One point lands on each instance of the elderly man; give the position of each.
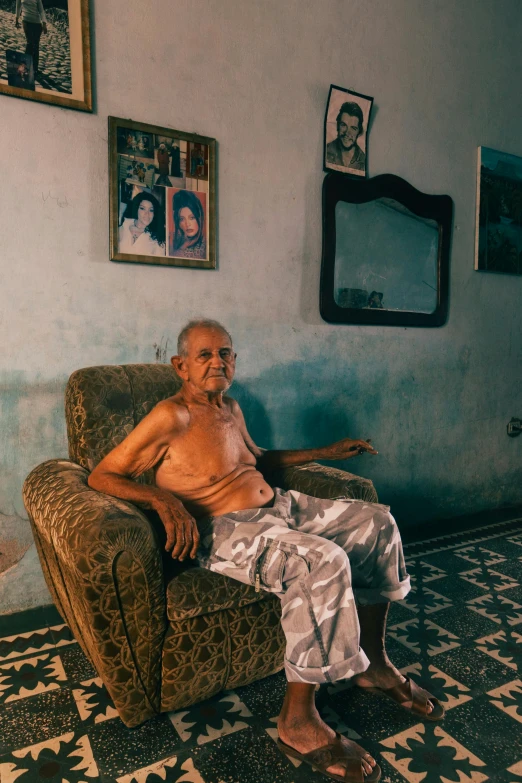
(344, 150)
(335, 565)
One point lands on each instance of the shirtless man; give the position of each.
(215, 505)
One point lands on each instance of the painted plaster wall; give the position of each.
(255, 74)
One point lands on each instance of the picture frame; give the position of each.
(162, 198)
(498, 227)
(47, 61)
(346, 124)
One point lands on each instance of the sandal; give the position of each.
(340, 750)
(418, 697)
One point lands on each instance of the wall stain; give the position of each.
(15, 540)
(161, 351)
(61, 202)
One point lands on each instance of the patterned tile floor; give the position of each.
(459, 632)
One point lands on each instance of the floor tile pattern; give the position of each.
(459, 633)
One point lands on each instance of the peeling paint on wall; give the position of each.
(23, 586)
(160, 355)
(15, 540)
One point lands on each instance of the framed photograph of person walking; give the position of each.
(45, 52)
(346, 131)
(162, 195)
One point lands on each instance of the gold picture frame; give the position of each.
(162, 195)
(49, 62)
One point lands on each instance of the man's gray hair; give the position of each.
(205, 323)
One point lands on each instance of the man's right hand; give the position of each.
(180, 526)
(17, 23)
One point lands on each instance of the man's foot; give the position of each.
(382, 676)
(305, 737)
(387, 679)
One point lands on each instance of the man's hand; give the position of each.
(180, 526)
(17, 24)
(44, 26)
(268, 461)
(347, 448)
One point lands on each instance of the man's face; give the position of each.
(348, 130)
(210, 362)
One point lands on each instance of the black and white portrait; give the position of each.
(346, 131)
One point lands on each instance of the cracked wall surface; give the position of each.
(21, 580)
(15, 540)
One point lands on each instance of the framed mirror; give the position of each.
(386, 250)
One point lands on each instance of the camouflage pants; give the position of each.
(321, 558)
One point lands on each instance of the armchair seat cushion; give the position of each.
(197, 591)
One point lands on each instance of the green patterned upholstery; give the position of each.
(103, 404)
(160, 639)
(197, 591)
(322, 482)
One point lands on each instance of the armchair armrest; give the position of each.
(103, 565)
(322, 482)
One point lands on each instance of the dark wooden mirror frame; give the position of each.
(339, 187)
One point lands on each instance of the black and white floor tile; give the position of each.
(459, 633)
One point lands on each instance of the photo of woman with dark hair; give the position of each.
(187, 240)
(142, 227)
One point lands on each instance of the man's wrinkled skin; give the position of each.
(206, 464)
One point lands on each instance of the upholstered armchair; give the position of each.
(162, 635)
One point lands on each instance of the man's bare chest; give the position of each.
(211, 443)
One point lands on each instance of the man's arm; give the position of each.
(342, 449)
(271, 460)
(146, 445)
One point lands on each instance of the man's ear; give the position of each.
(179, 365)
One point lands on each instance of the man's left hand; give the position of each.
(346, 448)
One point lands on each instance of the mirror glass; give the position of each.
(386, 257)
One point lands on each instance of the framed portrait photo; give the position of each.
(162, 196)
(346, 131)
(45, 51)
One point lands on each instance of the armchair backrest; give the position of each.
(103, 404)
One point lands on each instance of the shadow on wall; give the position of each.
(309, 408)
(257, 421)
(315, 402)
(410, 416)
